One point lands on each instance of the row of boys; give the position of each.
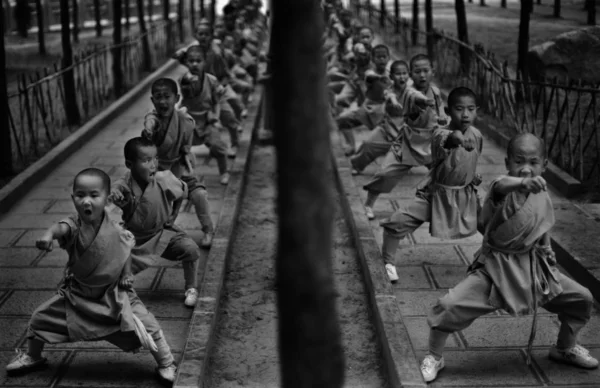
(515, 269)
(96, 299)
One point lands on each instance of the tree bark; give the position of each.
(117, 51)
(127, 8)
(6, 160)
(143, 31)
(75, 21)
(98, 17)
(463, 33)
(526, 6)
(40, 22)
(72, 110)
(310, 348)
(429, 28)
(591, 12)
(415, 22)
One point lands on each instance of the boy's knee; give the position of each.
(199, 193)
(188, 249)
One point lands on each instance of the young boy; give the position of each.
(400, 96)
(413, 147)
(150, 200)
(449, 201)
(95, 300)
(354, 87)
(517, 216)
(381, 59)
(172, 132)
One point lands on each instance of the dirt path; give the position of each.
(245, 352)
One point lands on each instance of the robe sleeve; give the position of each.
(346, 96)
(438, 143)
(173, 187)
(217, 92)
(187, 125)
(67, 242)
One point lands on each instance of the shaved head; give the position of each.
(526, 141)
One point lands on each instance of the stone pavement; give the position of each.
(28, 276)
(492, 350)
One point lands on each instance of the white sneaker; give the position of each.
(355, 172)
(430, 367)
(191, 297)
(391, 271)
(577, 355)
(232, 152)
(244, 114)
(167, 373)
(23, 361)
(225, 179)
(369, 213)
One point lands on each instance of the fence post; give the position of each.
(370, 9)
(40, 22)
(75, 21)
(126, 5)
(503, 3)
(144, 33)
(6, 160)
(556, 13)
(180, 19)
(590, 5)
(397, 15)
(117, 49)
(202, 10)
(150, 12)
(71, 107)
(98, 18)
(213, 13)
(382, 14)
(192, 15)
(415, 23)
(166, 11)
(429, 28)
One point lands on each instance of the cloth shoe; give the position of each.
(191, 297)
(430, 367)
(23, 361)
(167, 373)
(369, 212)
(232, 152)
(577, 355)
(391, 272)
(225, 179)
(206, 241)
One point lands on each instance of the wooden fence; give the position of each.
(37, 111)
(565, 115)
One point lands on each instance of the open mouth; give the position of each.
(88, 212)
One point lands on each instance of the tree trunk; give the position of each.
(397, 15)
(382, 13)
(503, 3)
(98, 17)
(116, 51)
(482, 3)
(40, 22)
(556, 8)
(429, 28)
(72, 110)
(143, 31)
(150, 11)
(463, 33)
(6, 160)
(75, 21)
(524, 37)
(415, 23)
(311, 354)
(180, 19)
(591, 12)
(127, 8)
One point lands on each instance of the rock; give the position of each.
(573, 54)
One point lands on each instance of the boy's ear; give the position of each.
(545, 165)
(506, 162)
(128, 164)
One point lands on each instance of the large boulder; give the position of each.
(573, 54)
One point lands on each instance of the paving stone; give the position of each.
(11, 332)
(40, 192)
(144, 279)
(187, 221)
(345, 259)
(448, 276)
(29, 238)
(62, 206)
(28, 221)
(8, 236)
(55, 258)
(428, 254)
(25, 302)
(417, 302)
(418, 330)
(590, 334)
(559, 374)
(510, 331)
(111, 369)
(18, 257)
(166, 305)
(486, 368)
(38, 378)
(31, 278)
(31, 206)
(411, 277)
(172, 279)
(422, 236)
(107, 161)
(176, 332)
(57, 182)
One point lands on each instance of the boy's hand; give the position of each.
(477, 179)
(126, 281)
(151, 125)
(116, 196)
(534, 185)
(468, 144)
(45, 242)
(424, 103)
(187, 160)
